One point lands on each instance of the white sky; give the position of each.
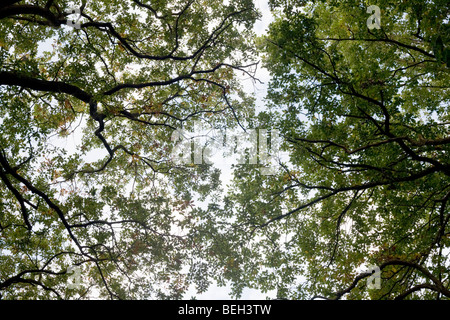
(259, 91)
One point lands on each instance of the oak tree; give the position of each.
(91, 202)
(364, 116)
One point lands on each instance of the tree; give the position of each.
(362, 111)
(115, 77)
(364, 114)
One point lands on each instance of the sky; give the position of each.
(259, 91)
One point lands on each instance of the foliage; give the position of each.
(363, 114)
(365, 121)
(86, 121)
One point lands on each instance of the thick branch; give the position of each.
(13, 79)
(41, 194)
(438, 285)
(364, 186)
(386, 40)
(19, 198)
(8, 11)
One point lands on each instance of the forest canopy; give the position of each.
(93, 203)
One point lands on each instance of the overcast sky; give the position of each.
(259, 90)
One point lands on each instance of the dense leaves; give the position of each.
(87, 123)
(365, 121)
(87, 115)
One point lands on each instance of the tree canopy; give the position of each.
(362, 115)
(113, 203)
